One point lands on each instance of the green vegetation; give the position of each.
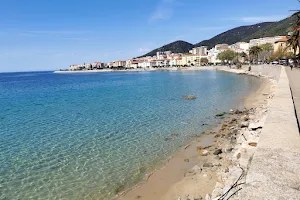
(254, 53)
(242, 33)
(281, 54)
(227, 56)
(294, 38)
(176, 47)
(204, 61)
(267, 50)
(235, 35)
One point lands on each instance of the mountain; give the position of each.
(242, 33)
(276, 28)
(234, 35)
(176, 47)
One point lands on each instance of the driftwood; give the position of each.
(244, 136)
(234, 186)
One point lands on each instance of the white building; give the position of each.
(132, 63)
(147, 64)
(162, 54)
(173, 62)
(214, 52)
(202, 51)
(240, 47)
(260, 41)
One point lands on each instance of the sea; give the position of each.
(89, 136)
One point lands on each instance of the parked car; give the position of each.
(275, 63)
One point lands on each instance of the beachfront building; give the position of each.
(199, 51)
(117, 64)
(174, 62)
(146, 64)
(214, 52)
(189, 60)
(132, 63)
(162, 54)
(162, 63)
(87, 66)
(260, 41)
(240, 47)
(282, 43)
(221, 47)
(76, 67)
(98, 65)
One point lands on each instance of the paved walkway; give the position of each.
(274, 172)
(294, 78)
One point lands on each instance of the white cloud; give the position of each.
(258, 19)
(163, 11)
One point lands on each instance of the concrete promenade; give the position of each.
(294, 78)
(274, 171)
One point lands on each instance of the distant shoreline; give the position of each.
(139, 70)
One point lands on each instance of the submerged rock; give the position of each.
(205, 153)
(221, 114)
(190, 97)
(208, 165)
(228, 149)
(218, 158)
(218, 151)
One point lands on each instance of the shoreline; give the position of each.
(200, 175)
(138, 70)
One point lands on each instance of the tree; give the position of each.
(294, 38)
(226, 56)
(266, 51)
(244, 56)
(204, 61)
(282, 53)
(254, 52)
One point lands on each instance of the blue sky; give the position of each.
(49, 35)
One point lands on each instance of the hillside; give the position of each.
(176, 47)
(234, 35)
(278, 28)
(242, 33)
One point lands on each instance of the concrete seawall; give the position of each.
(275, 168)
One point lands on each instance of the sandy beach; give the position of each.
(204, 168)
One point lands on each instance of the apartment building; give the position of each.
(260, 41)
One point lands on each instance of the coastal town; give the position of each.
(201, 56)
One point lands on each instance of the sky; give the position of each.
(37, 35)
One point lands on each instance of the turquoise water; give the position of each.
(87, 136)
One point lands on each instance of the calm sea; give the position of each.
(88, 136)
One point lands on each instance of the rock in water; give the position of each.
(190, 97)
(208, 165)
(205, 153)
(218, 151)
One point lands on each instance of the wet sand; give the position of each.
(179, 177)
